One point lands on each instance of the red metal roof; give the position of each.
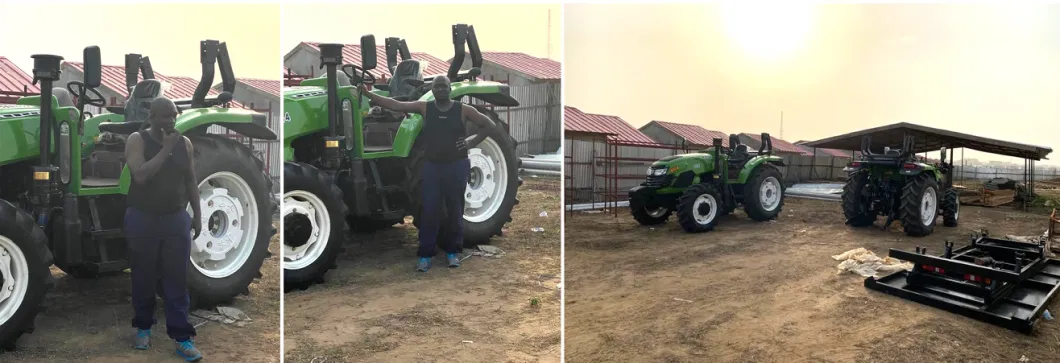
(351, 53)
(694, 134)
(269, 86)
(13, 79)
(779, 145)
(540, 68)
(113, 78)
(576, 120)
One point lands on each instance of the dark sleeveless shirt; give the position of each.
(165, 192)
(441, 130)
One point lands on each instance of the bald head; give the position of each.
(440, 87)
(163, 113)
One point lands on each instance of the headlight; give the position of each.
(659, 172)
(649, 171)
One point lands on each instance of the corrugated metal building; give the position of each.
(536, 83)
(780, 147)
(693, 136)
(14, 83)
(304, 60)
(263, 95)
(604, 156)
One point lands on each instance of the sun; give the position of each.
(767, 31)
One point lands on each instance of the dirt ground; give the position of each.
(768, 292)
(375, 308)
(89, 321)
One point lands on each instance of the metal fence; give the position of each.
(599, 170)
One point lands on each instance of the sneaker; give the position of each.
(453, 259)
(423, 265)
(143, 339)
(186, 350)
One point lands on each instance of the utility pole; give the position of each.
(549, 35)
(782, 125)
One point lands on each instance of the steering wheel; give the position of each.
(364, 76)
(75, 89)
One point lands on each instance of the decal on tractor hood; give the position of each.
(286, 117)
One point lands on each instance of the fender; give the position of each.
(754, 163)
(244, 122)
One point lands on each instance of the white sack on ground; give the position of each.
(865, 263)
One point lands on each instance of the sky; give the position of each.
(167, 33)
(986, 70)
(426, 28)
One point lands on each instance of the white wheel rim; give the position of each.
(928, 207)
(313, 209)
(229, 223)
(957, 209)
(488, 182)
(15, 271)
(657, 212)
(711, 203)
(769, 194)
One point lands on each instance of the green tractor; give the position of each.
(348, 163)
(700, 187)
(897, 185)
(63, 182)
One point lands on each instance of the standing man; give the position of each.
(446, 168)
(157, 226)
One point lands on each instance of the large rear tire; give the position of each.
(314, 218)
(951, 208)
(237, 208)
(919, 207)
(857, 213)
(24, 274)
(764, 193)
(698, 208)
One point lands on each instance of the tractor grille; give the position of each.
(659, 181)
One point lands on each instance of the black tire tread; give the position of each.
(686, 202)
(950, 200)
(299, 173)
(751, 204)
(912, 194)
(20, 227)
(852, 208)
(640, 214)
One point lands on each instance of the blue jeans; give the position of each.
(443, 184)
(159, 254)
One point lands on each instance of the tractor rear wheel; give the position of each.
(920, 205)
(855, 211)
(648, 215)
(763, 193)
(237, 207)
(698, 208)
(314, 220)
(951, 208)
(24, 273)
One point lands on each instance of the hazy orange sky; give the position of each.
(426, 28)
(987, 70)
(168, 33)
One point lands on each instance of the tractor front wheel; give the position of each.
(698, 208)
(951, 208)
(920, 205)
(646, 214)
(314, 221)
(24, 273)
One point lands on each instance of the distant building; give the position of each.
(694, 137)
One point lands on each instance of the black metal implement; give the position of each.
(1002, 282)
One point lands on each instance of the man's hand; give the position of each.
(171, 140)
(196, 226)
(461, 144)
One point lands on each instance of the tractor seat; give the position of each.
(740, 153)
(121, 128)
(63, 97)
(138, 106)
(407, 69)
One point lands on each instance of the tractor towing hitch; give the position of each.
(999, 281)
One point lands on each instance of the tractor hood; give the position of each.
(684, 162)
(18, 132)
